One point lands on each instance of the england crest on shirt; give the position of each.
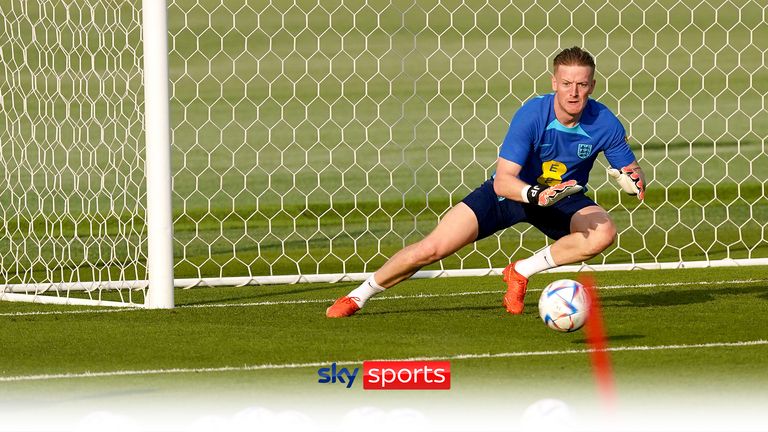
(584, 150)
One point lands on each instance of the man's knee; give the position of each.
(601, 238)
(596, 226)
(429, 251)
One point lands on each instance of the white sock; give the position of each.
(366, 290)
(540, 261)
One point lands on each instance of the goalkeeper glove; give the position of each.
(629, 180)
(545, 196)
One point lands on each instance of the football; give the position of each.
(564, 305)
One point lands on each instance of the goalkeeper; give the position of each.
(541, 175)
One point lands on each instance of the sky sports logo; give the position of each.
(391, 375)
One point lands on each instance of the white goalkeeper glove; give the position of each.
(630, 181)
(545, 196)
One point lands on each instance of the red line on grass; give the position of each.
(598, 344)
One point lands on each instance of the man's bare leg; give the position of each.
(457, 229)
(592, 231)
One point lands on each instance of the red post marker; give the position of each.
(598, 346)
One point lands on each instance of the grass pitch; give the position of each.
(672, 331)
(681, 338)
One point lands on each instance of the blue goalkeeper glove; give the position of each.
(545, 196)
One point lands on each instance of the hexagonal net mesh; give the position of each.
(71, 148)
(319, 137)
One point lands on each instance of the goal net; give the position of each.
(313, 139)
(71, 142)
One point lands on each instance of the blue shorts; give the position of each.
(495, 213)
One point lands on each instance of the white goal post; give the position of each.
(147, 145)
(57, 53)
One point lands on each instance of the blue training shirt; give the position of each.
(551, 153)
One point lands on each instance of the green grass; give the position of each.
(656, 308)
(232, 327)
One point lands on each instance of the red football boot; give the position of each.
(517, 284)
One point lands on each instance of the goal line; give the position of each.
(51, 293)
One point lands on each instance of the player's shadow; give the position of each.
(254, 294)
(433, 309)
(673, 297)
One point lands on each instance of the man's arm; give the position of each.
(507, 184)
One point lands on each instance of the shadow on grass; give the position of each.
(255, 294)
(682, 297)
(669, 297)
(612, 338)
(436, 309)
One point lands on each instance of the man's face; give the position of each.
(572, 86)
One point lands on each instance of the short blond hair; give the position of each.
(574, 56)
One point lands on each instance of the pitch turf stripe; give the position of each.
(384, 298)
(467, 293)
(471, 293)
(270, 366)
